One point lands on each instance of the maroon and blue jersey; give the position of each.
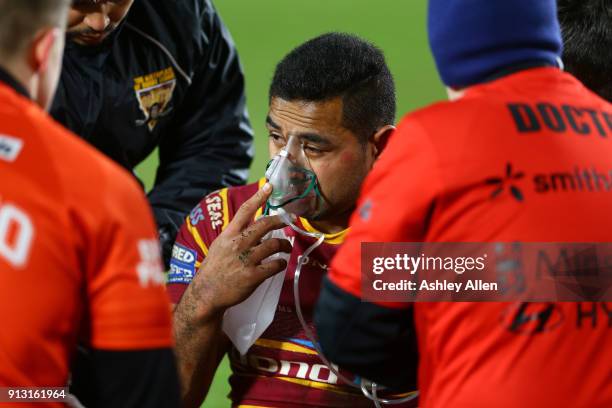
(282, 369)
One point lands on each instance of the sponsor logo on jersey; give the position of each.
(286, 368)
(182, 264)
(149, 269)
(506, 182)
(16, 235)
(587, 179)
(540, 318)
(10, 147)
(154, 93)
(591, 315)
(532, 318)
(184, 255)
(196, 215)
(214, 206)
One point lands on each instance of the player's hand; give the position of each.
(233, 268)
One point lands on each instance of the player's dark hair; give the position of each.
(586, 26)
(340, 65)
(21, 19)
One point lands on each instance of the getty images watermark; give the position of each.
(436, 272)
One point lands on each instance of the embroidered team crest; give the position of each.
(154, 92)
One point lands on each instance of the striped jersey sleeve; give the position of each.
(201, 227)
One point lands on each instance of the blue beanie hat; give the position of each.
(471, 40)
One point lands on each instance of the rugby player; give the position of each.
(336, 94)
(433, 184)
(79, 256)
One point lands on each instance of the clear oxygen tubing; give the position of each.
(371, 395)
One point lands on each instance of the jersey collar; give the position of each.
(9, 80)
(334, 239)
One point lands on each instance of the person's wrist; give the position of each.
(198, 306)
(208, 312)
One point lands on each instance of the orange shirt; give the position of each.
(79, 257)
(546, 141)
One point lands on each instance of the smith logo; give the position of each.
(154, 93)
(576, 180)
(506, 182)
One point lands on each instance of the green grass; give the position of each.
(266, 30)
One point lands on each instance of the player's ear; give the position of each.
(41, 48)
(379, 139)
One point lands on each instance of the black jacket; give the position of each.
(168, 77)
